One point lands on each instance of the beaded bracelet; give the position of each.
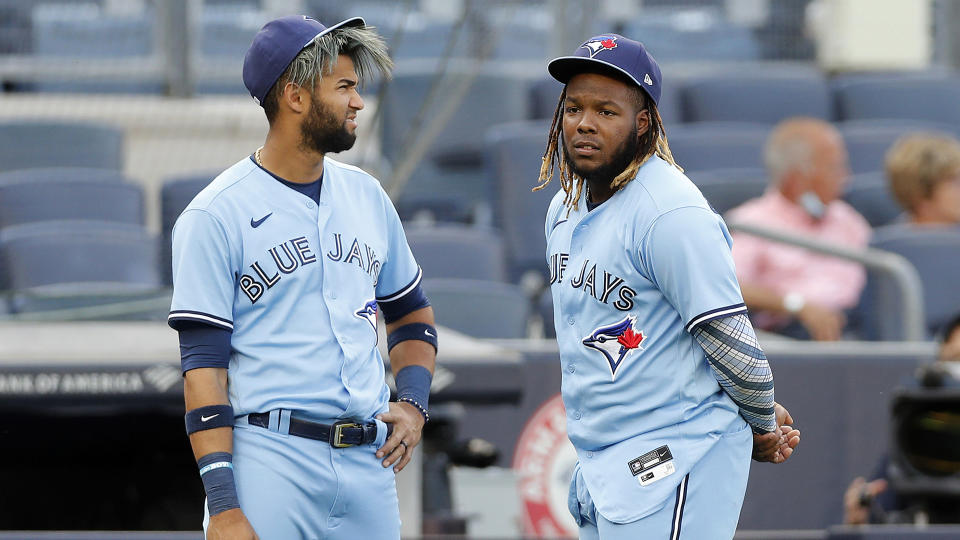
(410, 400)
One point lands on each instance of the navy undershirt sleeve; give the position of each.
(203, 345)
(408, 303)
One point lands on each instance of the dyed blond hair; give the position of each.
(653, 141)
(362, 44)
(917, 162)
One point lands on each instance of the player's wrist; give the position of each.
(216, 473)
(413, 387)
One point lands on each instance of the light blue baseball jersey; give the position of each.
(629, 280)
(298, 283)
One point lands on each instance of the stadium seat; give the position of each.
(756, 96)
(921, 97)
(514, 157)
(725, 189)
(175, 195)
(874, 202)
(66, 174)
(674, 34)
(68, 264)
(83, 30)
(453, 166)
(717, 145)
(32, 144)
(867, 141)
(494, 97)
(482, 309)
(545, 309)
(935, 253)
(28, 201)
(454, 251)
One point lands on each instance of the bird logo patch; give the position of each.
(616, 341)
(369, 313)
(602, 44)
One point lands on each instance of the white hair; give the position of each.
(786, 152)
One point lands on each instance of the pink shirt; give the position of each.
(828, 281)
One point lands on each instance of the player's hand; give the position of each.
(857, 500)
(230, 525)
(777, 446)
(823, 324)
(407, 427)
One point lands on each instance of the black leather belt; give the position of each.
(343, 434)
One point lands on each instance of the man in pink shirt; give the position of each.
(789, 289)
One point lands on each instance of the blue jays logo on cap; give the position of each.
(607, 43)
(611, 54)
(616, 341)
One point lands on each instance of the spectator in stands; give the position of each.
(790, 290)
(872, 502)
(924, 174)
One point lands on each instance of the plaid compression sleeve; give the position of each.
(741, 368)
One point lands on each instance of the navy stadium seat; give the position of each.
(454, 251)
(920, 97)
(867, 141)
(718, 145)
(725, 189)
(874, 202)
(514, 154)
(175, 195)
(453, 167)
(756, 96)
(493, 98)
(28, 144)
(29, 201)
(545, 309)
(64, 264)
(84, 174)
(482, 309)
(672, 34)
(935, 253)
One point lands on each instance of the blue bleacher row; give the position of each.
(488, 272)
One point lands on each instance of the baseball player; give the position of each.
(663, 378)
(281, 268)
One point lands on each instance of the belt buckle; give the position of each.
(336, 435)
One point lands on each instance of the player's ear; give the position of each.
(643, 121)
(294, 97)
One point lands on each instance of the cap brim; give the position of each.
(565, 67)
(352, 21)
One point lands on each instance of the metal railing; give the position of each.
(903, 275)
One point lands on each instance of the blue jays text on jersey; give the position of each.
(629, 279)
(298, 283)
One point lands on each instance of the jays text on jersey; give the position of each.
(298, 284)
(629, 280)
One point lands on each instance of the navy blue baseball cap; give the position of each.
(611, 52)
(276, 45)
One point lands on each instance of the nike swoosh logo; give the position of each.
(558, 223)
(205, 418)
(427, 332)
(258, 222)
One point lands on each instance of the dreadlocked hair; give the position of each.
(653, 141)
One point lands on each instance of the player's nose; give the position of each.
(586, 125)
(356, 102)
